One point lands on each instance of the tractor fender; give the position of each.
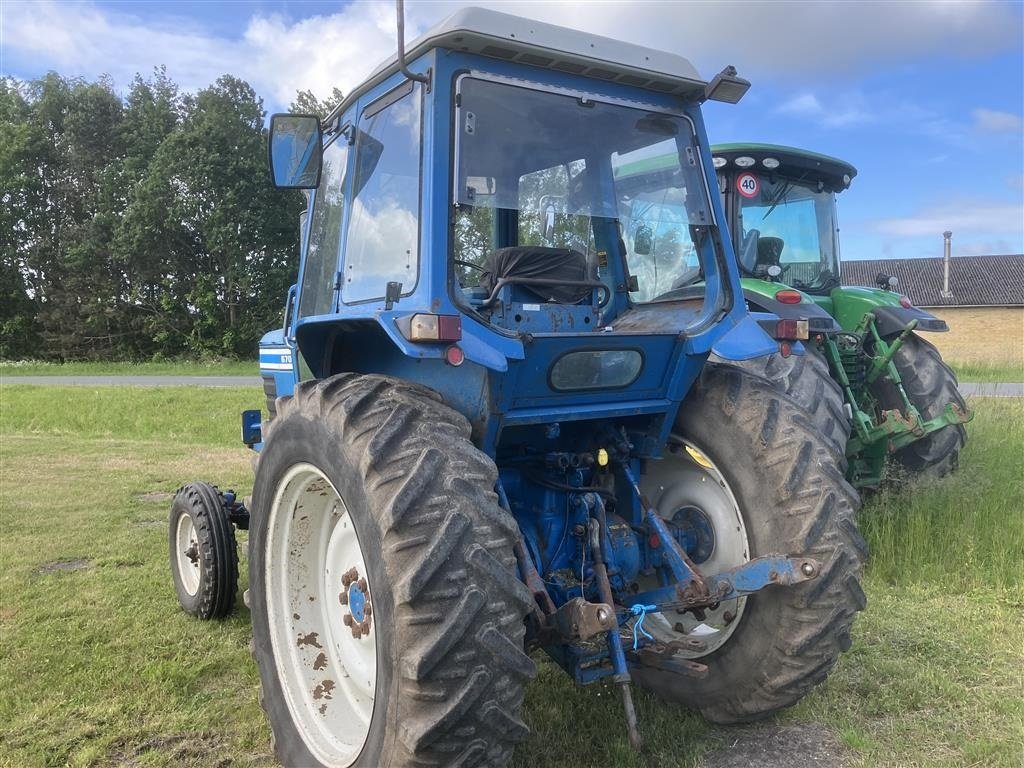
(892, 320)
(818, 320)
(747, 340)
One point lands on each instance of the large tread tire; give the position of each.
(217, 551)
(795, 501)
(448, 604)
(807, 379)
(930, 385)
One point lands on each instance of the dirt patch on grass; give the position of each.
(155, 496)
(58, 566)
(799, 745)
(184, 749)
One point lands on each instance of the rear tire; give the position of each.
(203, 552)
(806, 379)
(437, 548)
(793, 499)
(930, 385)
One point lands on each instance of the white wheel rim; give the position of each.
(687, 478)
(328, 676)
(188, 554)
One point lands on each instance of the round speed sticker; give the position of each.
(747, 185)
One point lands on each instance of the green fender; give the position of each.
(849, 304)
(760, 296)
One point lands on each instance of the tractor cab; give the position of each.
(782, 205)
(473, 207)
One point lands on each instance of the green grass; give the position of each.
(163, 368)
(987, 372)
(99, 666)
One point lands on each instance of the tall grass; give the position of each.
(966, 529)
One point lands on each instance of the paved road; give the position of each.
(1005, 389)
(137, 381)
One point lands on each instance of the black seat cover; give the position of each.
(559, 265)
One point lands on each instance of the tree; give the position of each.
(306, 103)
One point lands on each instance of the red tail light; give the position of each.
(425, 327)
(788, 296)
(792, 329)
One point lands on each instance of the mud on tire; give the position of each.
(448, 605)
(789, 485)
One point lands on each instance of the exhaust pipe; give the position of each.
(947, 250)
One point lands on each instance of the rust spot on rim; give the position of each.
(313, 638)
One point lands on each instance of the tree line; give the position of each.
(140, 226)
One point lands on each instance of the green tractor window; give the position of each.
(792, 226)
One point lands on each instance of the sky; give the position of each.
(924, 98)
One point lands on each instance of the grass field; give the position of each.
(966, 371)
(164, 368)
(98, 666)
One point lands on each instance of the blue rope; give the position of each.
(640, 611)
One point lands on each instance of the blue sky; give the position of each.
(924, 98)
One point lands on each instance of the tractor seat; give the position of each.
(769, 251)
(561, 266)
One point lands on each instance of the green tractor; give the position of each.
(901, 400)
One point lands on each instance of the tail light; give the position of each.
(797, 330)
(423, 327)
(788, 296)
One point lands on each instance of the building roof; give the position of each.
(974, 281)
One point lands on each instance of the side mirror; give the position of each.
(296, 151)
(643, 240)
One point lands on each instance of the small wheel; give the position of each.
(204, 556)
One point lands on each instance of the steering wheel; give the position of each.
(470, 264)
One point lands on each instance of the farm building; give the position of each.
(982, 301)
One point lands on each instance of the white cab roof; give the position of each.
(513, 38)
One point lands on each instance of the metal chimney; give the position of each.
(946, 255)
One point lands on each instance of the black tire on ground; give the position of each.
(794, 500)
(930, 385)
(806, 378)
(448, 604)
(215, 552)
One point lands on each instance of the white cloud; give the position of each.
(993, 121)
(279, 56)
(846, 110)
(975, 217)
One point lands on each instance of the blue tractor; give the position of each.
(492, 425)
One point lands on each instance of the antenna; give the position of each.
(402, 66)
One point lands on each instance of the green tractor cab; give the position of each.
(901, 398)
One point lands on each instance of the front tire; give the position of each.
(930, 385)
(203, 552)
(760, 447)
(378, 475)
